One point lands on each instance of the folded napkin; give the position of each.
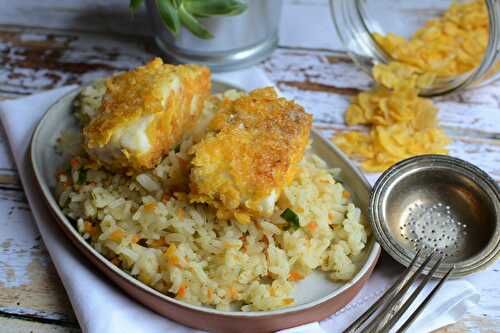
(101, 307)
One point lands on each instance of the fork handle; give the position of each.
(426, 301)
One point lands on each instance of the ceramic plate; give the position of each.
(316, 296)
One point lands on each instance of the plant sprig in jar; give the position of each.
(177, 13)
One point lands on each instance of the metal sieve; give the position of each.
(438, 204)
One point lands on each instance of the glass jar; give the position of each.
(356, 21)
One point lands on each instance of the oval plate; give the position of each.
(316, 296)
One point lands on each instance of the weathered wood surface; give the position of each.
(323, 81)
(16, 325)
(47, 44)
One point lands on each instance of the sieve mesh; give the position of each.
(434, 228)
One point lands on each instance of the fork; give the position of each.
(390, 306)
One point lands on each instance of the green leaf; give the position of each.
(293, 219)
(169, 15)
(177, 148)
(192, 24)
(68, 170)
(82, 176)
(214, 7)
(134, 4)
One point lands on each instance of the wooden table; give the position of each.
(47, 44)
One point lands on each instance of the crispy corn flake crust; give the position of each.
(144, 113)
(249, 154)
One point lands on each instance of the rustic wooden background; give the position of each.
(48, 44)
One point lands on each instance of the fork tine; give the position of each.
(389, 292)
(394, 318)
(426, 301)
(387, 308)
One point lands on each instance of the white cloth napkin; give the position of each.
(101, 307)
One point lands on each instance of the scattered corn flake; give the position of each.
(402, 124)
(386, 145)
(450, 45)
(382, 106)
(397, 75)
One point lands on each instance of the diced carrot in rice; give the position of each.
(182, 292)
(172, 258)
(295, 276)
(135, 239)
(74, 163)
(331, 217)
(312, 226)
(90, 228)
(210, 294)
(157, 242)
(117, 236)
(171, 250)
(233, 293)
(174, 261)
(150, 207)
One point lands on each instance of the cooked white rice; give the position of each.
(151, 231)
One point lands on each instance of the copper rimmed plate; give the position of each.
(316, 296)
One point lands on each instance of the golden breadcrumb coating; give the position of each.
(144, 114)
(249, 154)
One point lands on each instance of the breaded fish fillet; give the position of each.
(144, 113)
(249, 154)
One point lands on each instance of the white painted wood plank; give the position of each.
(36, 61)
(29, 284)
(14, 325)
(6, 161)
